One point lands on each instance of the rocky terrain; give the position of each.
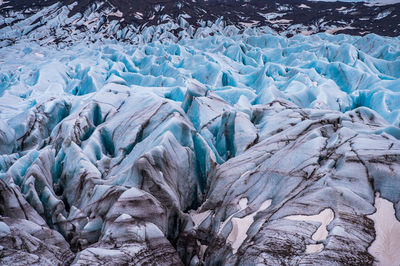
(70, 21)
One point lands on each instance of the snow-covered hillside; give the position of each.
(219, 144)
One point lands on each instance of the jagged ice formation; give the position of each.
(229, 149)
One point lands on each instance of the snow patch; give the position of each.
(334, 30)
(116, 14)
(383, 14)
(249, 24)
(314, 248)
(241, 225)
(386, 246)
(39, 55)
(271, 16)
(324, 217)
(198, 218)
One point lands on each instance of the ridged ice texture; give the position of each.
(321, 71)
(111, 146)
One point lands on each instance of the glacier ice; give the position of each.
(205, 150)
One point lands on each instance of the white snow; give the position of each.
(249, 24)
(333, 30)
(314, 248)
(271, 16)
(324, 218)
(383, 14)
(123, 217)
(198, 218)
(202, 249)
(242, 205)
(39, 55)
(386, 246)
(304, 6)
(104, 252)
(116, 13)
(281, 21)
(139, 15)
(241, 225)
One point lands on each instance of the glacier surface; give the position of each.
(229, 149)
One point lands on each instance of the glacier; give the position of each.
(239, 148)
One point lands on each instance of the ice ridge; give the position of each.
(157, 153)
